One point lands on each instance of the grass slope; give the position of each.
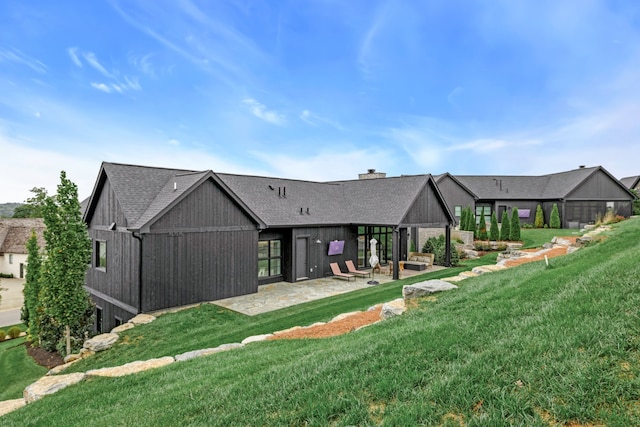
(17, 368)
(532, 345)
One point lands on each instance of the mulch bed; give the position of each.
(43, 357)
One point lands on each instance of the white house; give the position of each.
(14, 234)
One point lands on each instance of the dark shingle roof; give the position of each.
(631, 181)
(145, 192)
(552, 186)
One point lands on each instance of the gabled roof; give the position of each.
(544, 187)
(146, 193)
(15, 232)
(631, 181)
(442, 176)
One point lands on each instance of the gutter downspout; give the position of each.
(138, 236)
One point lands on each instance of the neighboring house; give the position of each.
(581, 195)
(14, 234)
(631, 182)
(166, 237)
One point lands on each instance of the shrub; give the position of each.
(14, 332)
(437, 247)
(554, 218)
(505, 229)
(6, 275)
(3, 335)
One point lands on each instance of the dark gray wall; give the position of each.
(318, 260)
(426, 210)
(455, 195)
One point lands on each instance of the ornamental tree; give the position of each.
(539, 221)
(482, 227)
(494, 233)
(554, 218)
(514, 227)
(505, 229)
(68, 251)
(32, 307)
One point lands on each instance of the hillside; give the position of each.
(532, 345)
(6, 209)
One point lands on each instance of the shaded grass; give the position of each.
(17, 369)
(526, 346)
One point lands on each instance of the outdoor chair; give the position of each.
(353, 270)
(335, 269)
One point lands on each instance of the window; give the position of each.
(480, 210)
(10, 258)
(269, 258)
(99, 319)
(101, 254)
(458, 211)
(384, 247)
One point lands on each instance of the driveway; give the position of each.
(11, 302)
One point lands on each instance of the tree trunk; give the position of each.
(67, 333)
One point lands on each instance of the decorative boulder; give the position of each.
(256, 338)
(131, 368)
(101, 342)
(49, 385)
(206, 351)
(393, 308)
(426, 288)
(122, 328)
(142, 319)
(11, 405)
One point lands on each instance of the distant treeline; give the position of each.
(7, 209)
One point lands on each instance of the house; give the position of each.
(14, 235)
(581, 195)
(631, 182)
(168, 237)
(457, 195)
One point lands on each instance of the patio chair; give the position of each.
(353, 270)
(335, 269)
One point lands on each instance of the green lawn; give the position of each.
(532, 345)
(17, 368)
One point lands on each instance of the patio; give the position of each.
(284, 294)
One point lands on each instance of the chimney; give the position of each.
(371, 174)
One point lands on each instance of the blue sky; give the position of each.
(317, 90)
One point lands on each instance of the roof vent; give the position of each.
(582, 166)
(175, 186)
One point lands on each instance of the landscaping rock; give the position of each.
(428, 287)
(206, 351)
(11, 405)
(71, 358)
(142, 319)
(56, 370)
(256, 338)
(393, 308)
(49, 385)
(131, 368)
(470, 253)
(343, 316)
(122, 328)
(85, 352)
(101, 342)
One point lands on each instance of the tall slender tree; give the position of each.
(32, 307)
(494, 233)
(482, 227)
(68, 251)
(554, 218)
(463, 219)
(539, 221)
(472, 222)
(514, 227)
(505, 227)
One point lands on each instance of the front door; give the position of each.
(302, 255)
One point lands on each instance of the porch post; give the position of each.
(447, 245)
(396, 253)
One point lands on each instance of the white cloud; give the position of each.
(91, 58)
(15, 55)
(73, 54)
(102, 87)
(261, 112)
(313, 119)
(327, 165)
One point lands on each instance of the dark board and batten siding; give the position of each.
(206, 206)
(318, 258)
(205, 248)
(426, 210)
(107, 209)
(187, 268)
